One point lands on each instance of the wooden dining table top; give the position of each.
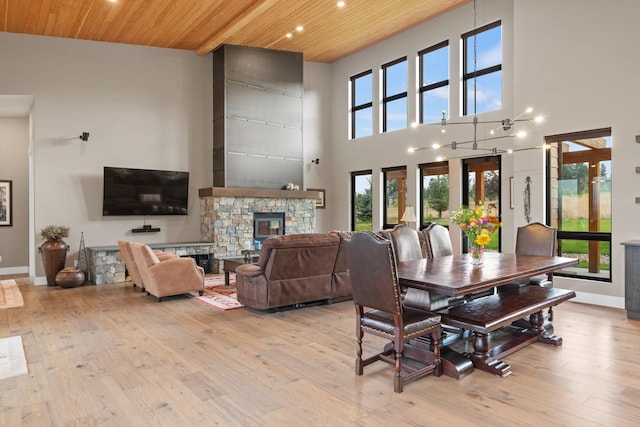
(454, 275)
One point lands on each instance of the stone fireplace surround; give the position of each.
(226, 215)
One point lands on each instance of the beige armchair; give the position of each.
(132, 269)
(171, 277)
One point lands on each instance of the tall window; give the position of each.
(579, 200)
(482, 62)
(434, 198)
(361, 201)
(362, 105)
(395, 195)
(481, 184)
(434, 82)
(394, 101)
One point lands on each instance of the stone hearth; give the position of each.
(226, 215)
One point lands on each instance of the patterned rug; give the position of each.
(12, 360)
(10, 295)
(217, 294)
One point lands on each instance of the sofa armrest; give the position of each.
(249, 270)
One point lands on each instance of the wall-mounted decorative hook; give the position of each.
(84, 136)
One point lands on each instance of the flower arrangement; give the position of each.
(477, 226)
(54, 232)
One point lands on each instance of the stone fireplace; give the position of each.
(227, 215)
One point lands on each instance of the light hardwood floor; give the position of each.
(110, 355)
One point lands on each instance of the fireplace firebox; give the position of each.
(267, 225)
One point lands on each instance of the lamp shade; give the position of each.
(409, 214)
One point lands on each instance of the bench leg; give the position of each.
(537, 328)
(481, 359)
(226, 278)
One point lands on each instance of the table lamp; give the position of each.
(409, 215)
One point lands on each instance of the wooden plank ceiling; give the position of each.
(329, 33)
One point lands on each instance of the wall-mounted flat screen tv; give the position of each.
(144, 192)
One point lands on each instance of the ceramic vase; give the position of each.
(54, 256)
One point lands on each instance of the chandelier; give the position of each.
(503, 128)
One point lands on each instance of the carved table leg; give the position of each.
(481, 359)
(537, 328)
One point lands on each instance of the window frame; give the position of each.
(590, 236)
(466, 163)
(432, 86)
(359, 107)
(354, 175)
(468, 77)
(435, 169)
(402, 194)
(386, 99)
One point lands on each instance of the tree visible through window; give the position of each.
(434, 193)
(362, 205)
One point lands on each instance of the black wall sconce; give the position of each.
(84, 136)
(316, 161)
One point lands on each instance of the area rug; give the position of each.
(10, 295)
(217, 294)
(12, 360)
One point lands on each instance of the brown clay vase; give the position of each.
(70, 277)
(54, 256)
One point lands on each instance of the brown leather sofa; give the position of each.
(296, 269)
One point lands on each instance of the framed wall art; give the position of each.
(320, 201)
(6, 203)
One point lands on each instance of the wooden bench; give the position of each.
(485, 315)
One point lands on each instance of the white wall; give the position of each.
(579, 59)
(575, 61)
(144, 108)
(14, 167)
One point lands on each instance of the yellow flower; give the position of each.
(483, 238)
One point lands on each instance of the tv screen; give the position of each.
(144, 192)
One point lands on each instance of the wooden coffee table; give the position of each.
(230, 265)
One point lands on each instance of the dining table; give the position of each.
(475, 291)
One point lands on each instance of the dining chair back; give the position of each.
(379, 309)
(438, 240)
(406, 243)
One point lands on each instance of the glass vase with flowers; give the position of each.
(478, 227)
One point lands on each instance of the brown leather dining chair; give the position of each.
(537, 239)
(406, 243)
(438, 240)
(379, 309)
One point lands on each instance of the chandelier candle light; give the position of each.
(478, 227)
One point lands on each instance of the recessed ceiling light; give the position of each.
(112, 1)
(299, 28)
(289, 35)
(340, 4)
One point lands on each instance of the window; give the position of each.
(361, 201)
(434, 82)
(394, 101)
(362, 105)
(395, 195)
(482, 62)
(481, 184)
(434, 197)
(579, 200)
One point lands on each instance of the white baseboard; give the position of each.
(598, 299)
(40, 280)
(14, 270)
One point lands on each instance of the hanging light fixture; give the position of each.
(503, 127)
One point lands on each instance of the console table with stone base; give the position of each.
(106, 265)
